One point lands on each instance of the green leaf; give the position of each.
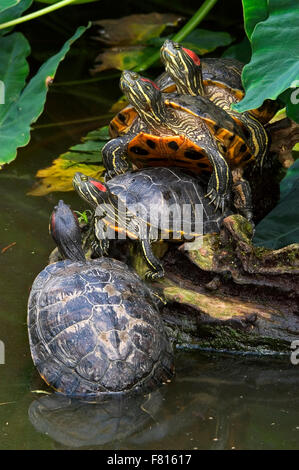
(13, 70)
(290, 179)
(134, 29)
(59, 176)
(51, 2)
(84, 157)
(122, 58)
(291, 99)
(15, 125)
(281, 226)
(98, 134)
(254, 12)
(90, 148)
(87, 152)
(8, 4)
(274, 65)
(199, 40)
(240, 51)
(8, 14)
(203, 41)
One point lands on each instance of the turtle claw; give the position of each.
(109, 174)
(220, 201)
(209, 193)
(152, 276)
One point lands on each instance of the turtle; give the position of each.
(149, 205)
(217, 74)
(217, 78)
(178, 131)
(94, 326)
(185, 69)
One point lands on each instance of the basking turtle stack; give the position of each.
(177, 142)
(185, 120)
(174, 170)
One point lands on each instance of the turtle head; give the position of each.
(183, 66)
(90, 189)
(65, 230)
(143, 94)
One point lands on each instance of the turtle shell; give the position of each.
(226, 73)
(147, 149)
(223, 72)
(94, 327)
(152, 194)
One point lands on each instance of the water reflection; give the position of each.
(214, 403)
(75, 423)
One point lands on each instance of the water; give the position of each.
(214, 402)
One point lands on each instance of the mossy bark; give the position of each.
(229, 295)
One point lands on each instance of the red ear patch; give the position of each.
(52, 223)
(98, 185)
(192, 55)
(150, 81)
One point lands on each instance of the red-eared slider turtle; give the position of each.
(149, 205)
(217, 74)
(178, 131)
(94, 326)
(185, 69)
(218, 79)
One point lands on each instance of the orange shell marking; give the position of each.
(149, 150)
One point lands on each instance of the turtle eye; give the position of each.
(84, 178)
(134, 76)
(177, 46)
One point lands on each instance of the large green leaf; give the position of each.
(281, 226)
(274, 65)
(240, 51)
(13, 12)
(254, 12)
(15, 125)
(8, 3)
(13, 69)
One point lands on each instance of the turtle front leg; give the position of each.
(156, 271)
(242, 195)
(220, 182)
(115, 156)
(101, 244)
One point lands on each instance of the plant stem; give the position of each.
(75, 121)
(180, 35)
(195, 20)
(86, 81)
(36, 14)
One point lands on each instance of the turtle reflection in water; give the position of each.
(94, 326)
(111, 419)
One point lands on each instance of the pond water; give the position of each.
(214, 402)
